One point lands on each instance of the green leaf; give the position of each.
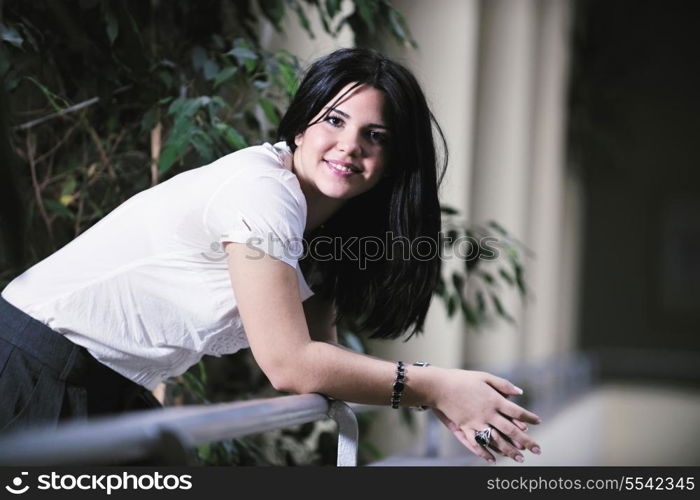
(57, 208)
(166, 78)
(202, 371)
(195, 385)
(112, 24)
(270, 111)
(332, 7)
(451, 305)
(231, 135)
(10, 35)
(224, 75)
(399, 28)
(203, 145)
(218, 41)
(211, 69)
(468, 311)
(289, 78)
(504, 274)
(273, 10)
(303, 20)
(495, 225)
(149, 120)
(204, 451)
(367, 10)
(452, 236)
(68, 187)
(480, 302)
(458, 282)
(440, 287)
(199, 57)
(500, 310)
(179, 138)
(519, 279)
(488, 277)
(243, 55)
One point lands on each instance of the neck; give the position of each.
(319, 208)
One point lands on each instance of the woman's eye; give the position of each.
(378, 137)
(335, 121)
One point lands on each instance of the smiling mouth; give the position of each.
(342, 167)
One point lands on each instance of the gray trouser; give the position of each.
(45, 378)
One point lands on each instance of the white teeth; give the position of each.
(340, 167)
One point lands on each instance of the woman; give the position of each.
(140, 297)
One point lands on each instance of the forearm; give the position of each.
(347, 375)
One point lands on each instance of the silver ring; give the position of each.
(483, 437)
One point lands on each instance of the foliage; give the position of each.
(489, 259)
(110, 98)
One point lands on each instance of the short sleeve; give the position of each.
(265, 210)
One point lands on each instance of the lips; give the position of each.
(342, 166)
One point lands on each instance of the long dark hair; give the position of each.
(389, 296)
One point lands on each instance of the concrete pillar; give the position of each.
(502, 152)
(546, 221)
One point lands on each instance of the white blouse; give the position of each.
(146, 290)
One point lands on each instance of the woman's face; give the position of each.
(344, 154)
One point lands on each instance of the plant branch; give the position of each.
(31, 149)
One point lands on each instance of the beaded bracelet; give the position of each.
(399, 384)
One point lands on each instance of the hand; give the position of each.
(485, 404)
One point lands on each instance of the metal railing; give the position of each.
(169, 436)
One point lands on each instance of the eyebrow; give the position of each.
(345, 115)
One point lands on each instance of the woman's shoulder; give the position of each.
(258, 174)
(261, 160)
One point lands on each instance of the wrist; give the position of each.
(422, 385)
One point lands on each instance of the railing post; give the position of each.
(347, 433)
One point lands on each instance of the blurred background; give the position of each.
(572, 123)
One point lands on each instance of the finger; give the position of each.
(511, 410)
(505, 447)
(475, 447)
(520, 425)
(472, 446)
(517, 437)
(503, 386)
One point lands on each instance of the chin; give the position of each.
(338, 193)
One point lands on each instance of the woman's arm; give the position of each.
(268, 298)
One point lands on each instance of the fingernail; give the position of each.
(536, 450)
(518, 445)
(491, 461)
(519, 459)
(518, 389)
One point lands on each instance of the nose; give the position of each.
(349, 142)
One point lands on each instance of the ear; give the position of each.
(299, 139)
